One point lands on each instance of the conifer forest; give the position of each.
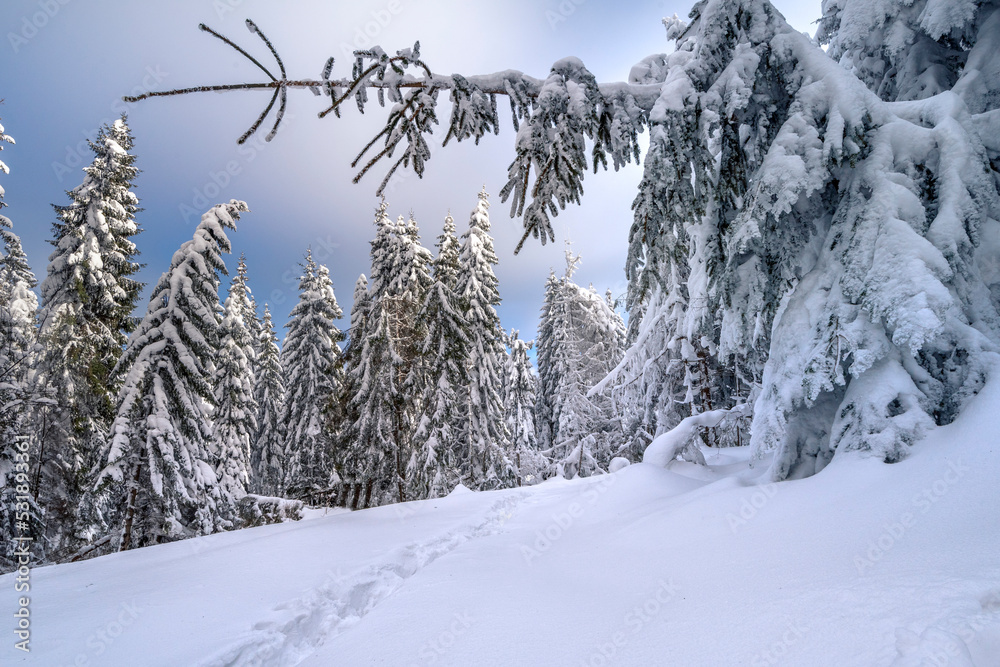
(391, 388)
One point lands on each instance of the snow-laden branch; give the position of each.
(555, 118)
(680, 440)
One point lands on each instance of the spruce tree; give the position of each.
(488, 462)
(519, 409)
(806, 239)
(254, 324)
(915, 49)
(235, 414)
(546, 418)
(20, 515)
(311, 365)
(160, 462)
(88, 297)
(436, 457)
(267, 459)
(348, 451)
(374, 431)
(18, 313)
(388, 370)
(582, 336)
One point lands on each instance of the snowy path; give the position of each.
(301, 624)
(865, 564)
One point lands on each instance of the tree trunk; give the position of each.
(368, 493)
(706, 395)
(400, 470)
(130, 511)
(90, 548)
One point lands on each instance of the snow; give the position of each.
(862, 564)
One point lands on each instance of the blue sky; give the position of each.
(67, 63)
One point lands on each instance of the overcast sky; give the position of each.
(67, 63)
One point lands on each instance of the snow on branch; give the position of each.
(680, 441)
(554, 117)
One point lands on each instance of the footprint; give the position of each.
(320, 614)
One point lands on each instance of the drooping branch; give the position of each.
(564, 111)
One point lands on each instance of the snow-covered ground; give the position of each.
(863, 564)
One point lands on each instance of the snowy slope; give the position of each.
(863, 564)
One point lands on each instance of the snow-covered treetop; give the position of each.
(238, 305)
(14, 260)
(14, 264)
(176, 342)
(91, 267)
(446, 264)
(181, 295)
(477, 282)
(10, 140)
(359, 308)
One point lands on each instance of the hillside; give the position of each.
(863, 564)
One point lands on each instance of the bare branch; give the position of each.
(205, 28)
(254, 29)
(260, 118)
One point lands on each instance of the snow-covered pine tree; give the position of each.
(18, 306)
(88, 297)
(18, 312)
(489, 463)
(826, 243)
(267, 455)
(388, 373)
(254, 324)
(406, 296)
(160, 462)
(375, 433)
(435, 461)
(311, 364)
(235, 416)
(915, 49)
(519, 409)
(549, 364)
(582, 336)
(4, 139)
(349, 450)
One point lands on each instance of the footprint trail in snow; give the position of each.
(298, 626)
